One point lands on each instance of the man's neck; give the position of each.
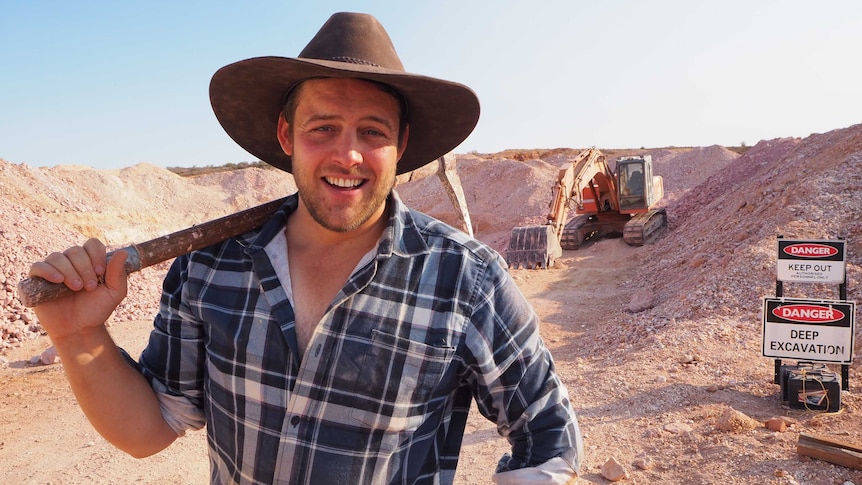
(304, 232)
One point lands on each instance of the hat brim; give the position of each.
(246, 97)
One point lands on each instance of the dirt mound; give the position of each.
(722, 241)
(249, 187)
(686, 169)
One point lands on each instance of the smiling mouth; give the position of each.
(343, 182)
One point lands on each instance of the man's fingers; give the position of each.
(45, 271)
(79, 267)
(85, 275)
(61, 263)
(97, 254)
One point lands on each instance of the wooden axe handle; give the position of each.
(35, 291)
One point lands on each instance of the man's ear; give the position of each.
(403, 145)
(284, 139)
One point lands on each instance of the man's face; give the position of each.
(344, 147)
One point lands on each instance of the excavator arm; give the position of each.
(587, 184)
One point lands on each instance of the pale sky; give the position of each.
(109, 84)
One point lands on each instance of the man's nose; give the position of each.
(348, 152)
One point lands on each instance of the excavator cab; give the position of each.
(639, 189)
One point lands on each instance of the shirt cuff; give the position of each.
(178, 411)
(555, 471)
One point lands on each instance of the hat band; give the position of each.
(354, 60)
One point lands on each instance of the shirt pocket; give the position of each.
(397, 382)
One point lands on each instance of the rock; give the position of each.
(49, 356)
(641, 300)
(613, 470)
(776, 424)
(643, 463)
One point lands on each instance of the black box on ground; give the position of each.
(815, 389)
(784, 373)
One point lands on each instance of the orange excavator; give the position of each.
(606, 204)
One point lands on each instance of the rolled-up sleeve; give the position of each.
(177, 410)
(172, 360)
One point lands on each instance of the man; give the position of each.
(341, 342)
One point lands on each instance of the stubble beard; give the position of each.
(349, 218)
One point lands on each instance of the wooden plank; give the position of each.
(830, 442)
(831, 450)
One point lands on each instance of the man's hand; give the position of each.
(98, 283)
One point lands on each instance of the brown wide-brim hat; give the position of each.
(247, 96)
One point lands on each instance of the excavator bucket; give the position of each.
(533, 247)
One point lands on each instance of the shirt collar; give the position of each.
(402, 236)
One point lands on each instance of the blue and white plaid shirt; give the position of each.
(382, 393)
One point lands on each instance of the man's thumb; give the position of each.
(115, 273)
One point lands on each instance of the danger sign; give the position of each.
(811, 330)
(811, 261)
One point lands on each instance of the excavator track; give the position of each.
(585, 228)
(574, 233)
(645, 227)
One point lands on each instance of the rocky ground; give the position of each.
(674, 391)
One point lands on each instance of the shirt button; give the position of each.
(294, 420)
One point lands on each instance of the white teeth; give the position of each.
(344, 183)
